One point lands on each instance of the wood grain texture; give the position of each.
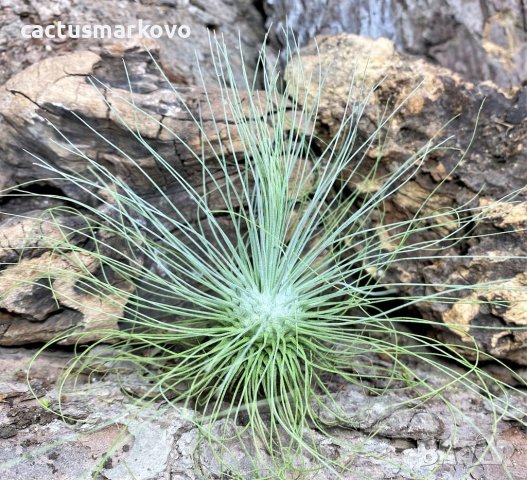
(481, 40)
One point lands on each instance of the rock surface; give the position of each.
(482, 40)
(484, 169)
(107, 433)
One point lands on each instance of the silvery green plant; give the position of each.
(254, 320)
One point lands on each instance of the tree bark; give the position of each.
(484, 168)
(406, 440)
(46, 94)
(236, 21)
(482, 40)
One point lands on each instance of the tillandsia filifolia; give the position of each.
(252, 302)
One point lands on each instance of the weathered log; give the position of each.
(49, 92)
(494, 166)
(41, 297)
(61, 92)
(480, 40)
(178, 55)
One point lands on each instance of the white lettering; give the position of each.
(184, 31)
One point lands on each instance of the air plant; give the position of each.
(252, 309)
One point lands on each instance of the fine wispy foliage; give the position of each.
(253, 309)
